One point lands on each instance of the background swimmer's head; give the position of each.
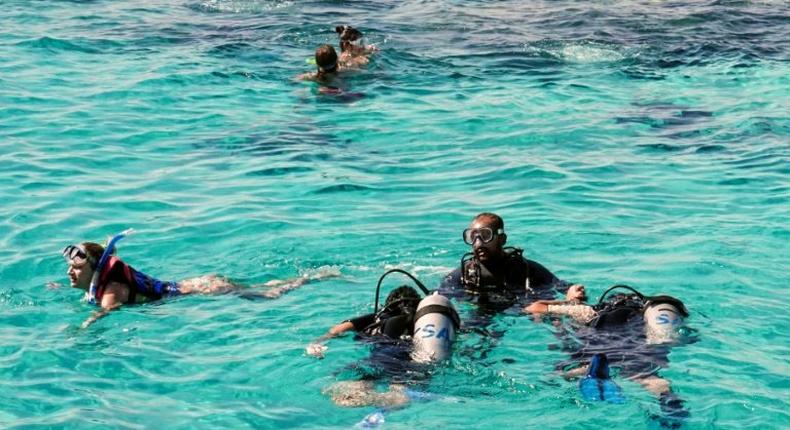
(81, 271)
(348, 34)
(408, 296)
(326, 59)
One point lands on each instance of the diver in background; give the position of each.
(632, 331)
(493, 276)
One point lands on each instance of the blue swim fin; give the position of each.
(597, 385)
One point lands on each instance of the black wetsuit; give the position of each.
(625, 346)
(628, 352)
(497, 286)
(390, 356)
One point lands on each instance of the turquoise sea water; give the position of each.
(633, 142)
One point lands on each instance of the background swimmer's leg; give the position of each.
(278, 287)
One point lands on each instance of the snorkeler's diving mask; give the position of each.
(75, 255)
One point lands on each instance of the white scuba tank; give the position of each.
(435, 324)
(662, 323)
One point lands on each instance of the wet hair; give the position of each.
(94, 251)
(326, 58)
(348, 33)
(497, 221)
(407, 296)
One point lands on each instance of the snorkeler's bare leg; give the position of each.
(208, 284)
(352, 394)
(278, 287)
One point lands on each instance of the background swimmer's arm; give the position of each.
(308, 76)
(317, 348)
(115, 294)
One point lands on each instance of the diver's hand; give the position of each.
(316, 350)
(53, 285)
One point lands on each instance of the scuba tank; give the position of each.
(663, 319)
(435, 324)
(662, 315)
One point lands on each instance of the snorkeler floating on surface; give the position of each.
(109, 282)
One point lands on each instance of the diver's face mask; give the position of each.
(76, 255)
(485, 234)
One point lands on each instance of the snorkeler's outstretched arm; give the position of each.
(317, 348)
(115, 294)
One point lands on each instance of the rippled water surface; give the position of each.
(640, 142)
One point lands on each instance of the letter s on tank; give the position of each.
(427, 331)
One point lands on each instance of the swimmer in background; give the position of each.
(326, 64)
(329, 66)
(114, 283)
(353, 52)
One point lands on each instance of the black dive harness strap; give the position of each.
(623, 308)
(378, 286)
(439, 309)
(474, 275)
